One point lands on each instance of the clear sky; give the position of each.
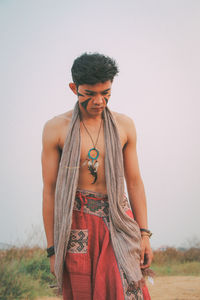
(157, 46)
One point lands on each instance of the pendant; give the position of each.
(93, 164)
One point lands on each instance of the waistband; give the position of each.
(95, 203)
(90, 193)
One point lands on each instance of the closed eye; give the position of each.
(89, 94)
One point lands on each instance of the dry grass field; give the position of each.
(25, 274)
(169, 288)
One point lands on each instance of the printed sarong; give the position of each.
(91, 271)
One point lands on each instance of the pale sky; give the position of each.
(156, 45)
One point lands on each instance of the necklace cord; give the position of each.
(94, 144)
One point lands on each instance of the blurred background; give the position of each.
(156, 45)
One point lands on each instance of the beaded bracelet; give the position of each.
(50, 251)
(146, 232)
(145, 235)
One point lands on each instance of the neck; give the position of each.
(87, 117)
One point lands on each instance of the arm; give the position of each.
(135, 189)
(50, 162)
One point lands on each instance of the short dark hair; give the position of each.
(92, 68)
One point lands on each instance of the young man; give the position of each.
(98, 243)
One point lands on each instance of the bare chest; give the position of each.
(91, 139)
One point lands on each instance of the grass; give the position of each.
(173, 262)
(25, 272)
(177, 269)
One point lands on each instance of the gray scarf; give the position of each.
(124, 231)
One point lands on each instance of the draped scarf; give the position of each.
(124, 231)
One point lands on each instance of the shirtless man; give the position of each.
(93, 98)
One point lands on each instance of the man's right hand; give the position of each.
(52, 263)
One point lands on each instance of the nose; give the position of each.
(98, 100)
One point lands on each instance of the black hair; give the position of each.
(92, 68)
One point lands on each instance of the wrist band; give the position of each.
(145, 235)
(146, 232)
(50, 251)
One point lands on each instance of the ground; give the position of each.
(175, 288)
(169, 288)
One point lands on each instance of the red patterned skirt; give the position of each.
(91, 271)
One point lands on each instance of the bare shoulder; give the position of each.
(125, 122)
(65, 116)
(58, 120)
(54, 127)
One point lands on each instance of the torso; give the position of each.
(85, 178)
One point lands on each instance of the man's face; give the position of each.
(94, 98)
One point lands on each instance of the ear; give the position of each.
(73, 87)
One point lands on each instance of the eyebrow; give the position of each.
(95, 92)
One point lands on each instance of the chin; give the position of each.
(96, 110)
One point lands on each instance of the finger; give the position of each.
(142, 257)
(147, 265)
(150, 257)
(147, 261)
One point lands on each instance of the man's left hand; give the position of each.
(146, 253)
